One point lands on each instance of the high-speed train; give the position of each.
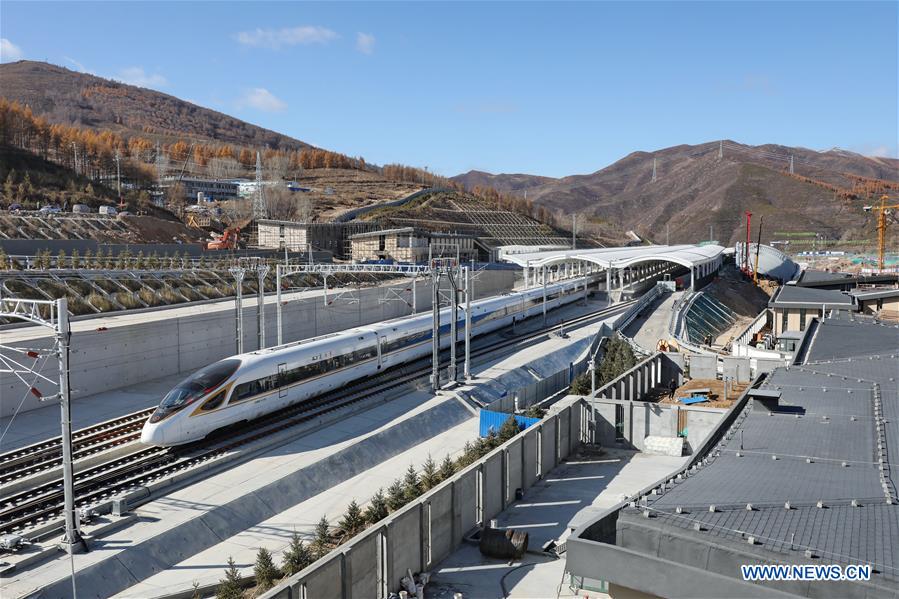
(250, 385)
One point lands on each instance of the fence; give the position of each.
(427, 530)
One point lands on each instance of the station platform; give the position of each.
(187, 536)
(574, 492)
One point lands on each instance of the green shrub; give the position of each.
(396, 496)
(321, 544)
(430, 476)
(377, 508)
(265, 570)
(297, 556)
(353, 521)
(411, 484)
(447, 468)
(230, 587)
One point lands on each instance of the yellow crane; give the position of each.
(881, 225)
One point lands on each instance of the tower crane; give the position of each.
(881, 225)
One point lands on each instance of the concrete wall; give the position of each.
(112, 352)
(617, 405)
(703, 367)
(428, 530)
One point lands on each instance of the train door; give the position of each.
(282, 389)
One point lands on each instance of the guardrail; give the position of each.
(628, 317)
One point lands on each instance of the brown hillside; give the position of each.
(68, 97)
(694, 189)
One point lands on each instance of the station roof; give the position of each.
(620, 257)
(818, 475)
(793, 296)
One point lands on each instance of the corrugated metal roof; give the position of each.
(837, 410)
(791, 296)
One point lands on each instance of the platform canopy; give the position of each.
(689, 256)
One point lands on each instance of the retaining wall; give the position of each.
(111, 352)
(429, 529)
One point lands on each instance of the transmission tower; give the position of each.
(720, 149)
(653, 169)
(259, 209)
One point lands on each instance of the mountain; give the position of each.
(504, 183)
(694, 190)
(68, 97)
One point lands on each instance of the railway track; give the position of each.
(41, 507)
(47, 455)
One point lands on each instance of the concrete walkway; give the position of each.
(572, 493)
(652, 325)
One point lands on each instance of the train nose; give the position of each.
(153, 434)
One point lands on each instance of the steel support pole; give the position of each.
(454, 325)
(544, 296)
(435, 330)
(467, 367)
(72, 540)
(278, 307)
(414, 295)
(238, 274)
(261, 273)
(592, 366)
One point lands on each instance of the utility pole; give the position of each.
(454, 326)
(653, 169)
(591, 366)
(667, 235)
(791, 164)
(259, 209)
(720, 149)
(467, 367)
(72, 540)
(238, 273)
(435, 329)
(118, 175)
(711, 232)
(261, 272)
(543, 276)
(278, 297)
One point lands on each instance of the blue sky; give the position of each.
(544, 88)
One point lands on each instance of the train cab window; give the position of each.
(215, 401)
(195, 386)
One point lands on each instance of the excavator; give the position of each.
(226, 241)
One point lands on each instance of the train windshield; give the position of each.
(198, 384)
